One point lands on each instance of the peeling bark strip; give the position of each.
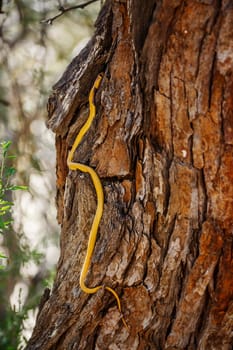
(162, 146)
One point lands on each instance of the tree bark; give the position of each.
(162, 144)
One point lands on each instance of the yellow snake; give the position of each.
(100, 197)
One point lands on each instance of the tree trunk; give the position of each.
(161, 144)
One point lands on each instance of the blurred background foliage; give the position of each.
(34, 52)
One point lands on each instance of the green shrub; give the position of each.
(19, 253)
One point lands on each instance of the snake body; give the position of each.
(99, 193)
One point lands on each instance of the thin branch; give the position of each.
(66, 9)
(1, 11)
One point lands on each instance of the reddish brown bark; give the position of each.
(162, 145)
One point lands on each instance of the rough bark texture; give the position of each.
(162, 144)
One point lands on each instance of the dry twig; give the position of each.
(63, 10)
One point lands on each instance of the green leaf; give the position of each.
(4, 224)
(5, 145)
(3, 202)
(10, 171)
(13, 188)
(6, 208)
